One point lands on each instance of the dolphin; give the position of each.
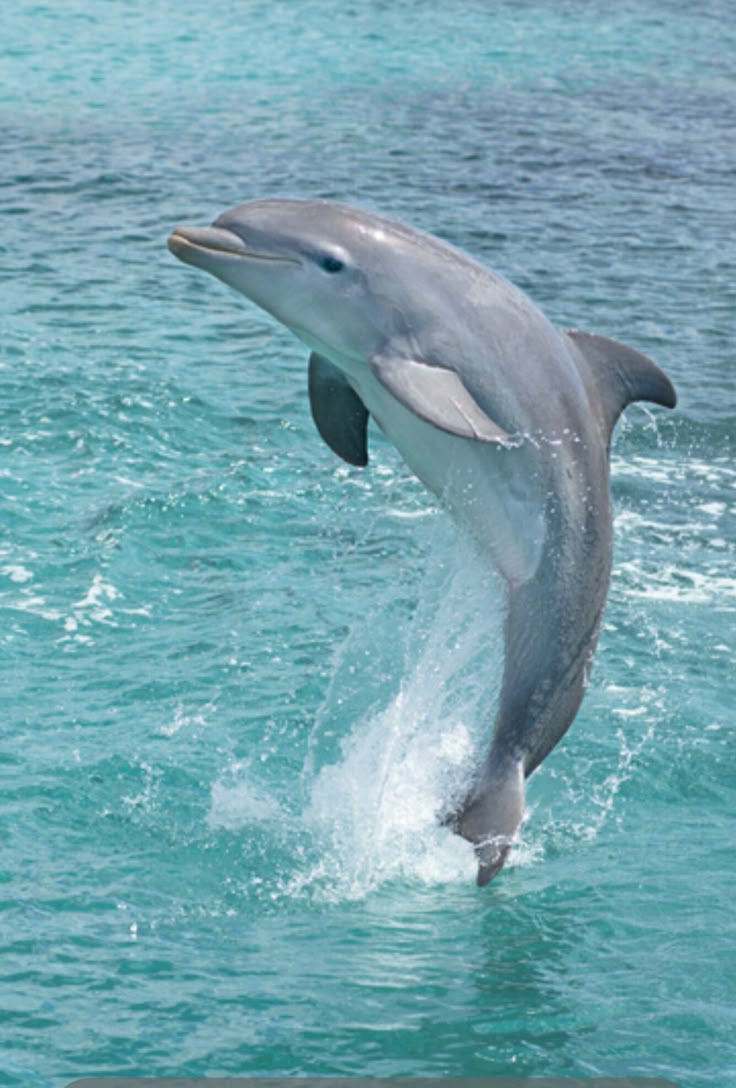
(504, 417)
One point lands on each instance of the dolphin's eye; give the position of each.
(331, 264)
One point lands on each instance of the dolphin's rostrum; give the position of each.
(506, 418)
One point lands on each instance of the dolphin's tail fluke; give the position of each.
(491, 815)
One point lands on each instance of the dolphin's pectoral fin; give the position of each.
(620, 375)
(491, 815)
(438, 396)
(339, 413)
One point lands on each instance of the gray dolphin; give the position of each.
(504, 417)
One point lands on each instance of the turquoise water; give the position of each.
(238, 676)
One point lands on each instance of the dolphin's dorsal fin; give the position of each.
(339, 413)
(618, 375)
(438, 396)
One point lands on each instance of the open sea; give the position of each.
(236, 675)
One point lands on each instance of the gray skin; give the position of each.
(504, 417)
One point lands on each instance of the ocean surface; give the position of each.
(236, 675)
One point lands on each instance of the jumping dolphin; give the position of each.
(504, 417)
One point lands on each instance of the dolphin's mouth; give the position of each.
(183, 242)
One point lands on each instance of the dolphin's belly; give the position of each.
(489, 489)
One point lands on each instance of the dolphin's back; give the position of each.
(553, 619)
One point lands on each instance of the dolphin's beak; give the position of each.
(194, 244)
(186, 242)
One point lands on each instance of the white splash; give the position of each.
(240, 801)
(377, 810)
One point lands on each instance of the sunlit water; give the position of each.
(241, 681)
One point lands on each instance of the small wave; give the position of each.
(673, 583)
(17, 573)
(93, 608)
